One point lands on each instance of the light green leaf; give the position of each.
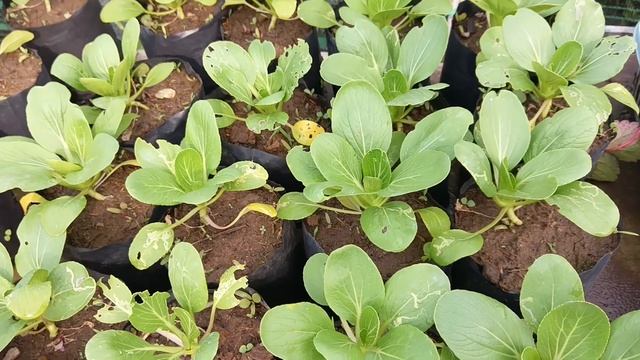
(203, 135)
(294, 63)
(208, 347)
(258, 122)
(154, 186)
(589, 97)
(302, 166)
(606, 60)
(566, 59)
(418, 172)
(71, 290)
(549, 82)
(77, 135)
(99, 156)
(117, 344)
(391, 227)
(38, 249)
(151, 313)
(317, 13)
(365, 40)
(432, 7)
(395, 85)
(337, 346)
(313, 276)
(475, 160)
(130, 41)
(99, 57)
(414, 97)
(46, 106)
(150, 245)
(579, 20)
(375, 164)
(158, 74)
(187, 324)
(564, 165)
(231, 67)
(341, 68)
(336, 159)
(452, 245)
(435, 219)
(29, 301)
(623, 343)
(121, 299)
(190, 171)
(423, 48)
(162, 158)
(68, 68)
(26, 166)
(295, 206)
(284, 8)
(121, 10)
(620, 93)
(224, 298)
(187, 278)
(530, 353)
(14, 40)
(6, 267)
(528, 38)
(368, 326)
(252, 176)
(405, 342)
(225, 116)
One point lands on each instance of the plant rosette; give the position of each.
(516, 167)
(364, 165)
(376, 319)
(176, 331)
(173, 174)
(568, 59)
(474, 326)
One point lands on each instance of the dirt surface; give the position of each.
(16, 76)
(300, 106)
(35, 14)
(508, 252)
(470, 29)
(244, 25)
(111, 221)
(252, 241)
(196, 16)
(164, 103)
(333, 230)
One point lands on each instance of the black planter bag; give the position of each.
(187, 45)
(13, 118)
(71, 35)
(467, 274)
(459, 68)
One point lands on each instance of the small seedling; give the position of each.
(276, 9)
(14, 41)
(125, 10)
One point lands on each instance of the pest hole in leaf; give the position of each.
(384, 230)
(26, 243)
(139, 255)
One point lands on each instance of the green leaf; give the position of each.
(202, 134)
(187, 278)
(294, 63)
(14, 40)
(6, 267)
(121, 10)
(423, 48)
(550, 282)
(365, 127)
(257, 122)
(504, 128)
(365, 40)
(418, 172)
(30, 301)
(190, 173)
(397, 139)
(99, 156)
(549, 82)
(391, 227)
(607, 168)
(130, 41)
(589, 97)
(225, 116)
(187, 324)
(302, 166)
(287, 331)
(150, 245)
(252, 176)
(440, 130)
(528, 38)
(72, 288)
(588, 207)
(151, 312)
(317, 13)
(112, 121)
(375, 164)
(621, 94)
(313, 276)
(575, 330)
(117, 344)
(475, 160)
(414, 97)
(606, 60)
(368, 326)
(395, 84)
(435, 219)
(393, 43)
(336, 346)
(579, 20)
(68, 68)
(46, 106)
(231, 67)
(475, 326)
(284, 8)
(154, 186)
(158, 74)
(121, 299)
(352, 282)
(566, 59)
(564, 165)
(10, 327)
(162, 158)
(412, 302)
(38, 249)
(336, 159)
(405, 342)
(452, 245)
(530, 353)
(99, 86)
(77, 135)
(341, 68)
(26, 166)
(623, 343)
(432, 7)
(208, 347)
(295, 206)
(99, 57)
(224, 297)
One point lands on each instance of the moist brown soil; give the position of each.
(244, 25)
(161, 108)
(252, 241)
(470, 30)
(196, 16)
(16, 76)
(114, 220)
(332, 231)
(73, 335)
(300, 106)
(36, 15)
(509, 251)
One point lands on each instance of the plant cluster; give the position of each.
(125, 10)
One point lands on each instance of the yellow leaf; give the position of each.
(31, 198)
(14, 41)
(305, 131)
(265, 209)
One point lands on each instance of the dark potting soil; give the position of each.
(252, 241)
(244, 25)
(18, 72)
(114, 220)
(196, 16)
(333, 230)
(300, 106)
(470, 30)
(164, 100)
(35, 15)
(508, 252)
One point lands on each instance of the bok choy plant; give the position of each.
(179, 174)
(384, 14)
(565, 60)
(245, 76)
(364, 165)
(394, 68)
(516, 167)
(150, 313)
(475, 326)
(377, 320)
(47, 291)
(125, 10)
(117, 82)
(497, 10)
(277, 9)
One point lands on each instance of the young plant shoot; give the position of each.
(364, 164)
(378, 320)
(385, 15)
(516, 167)
(150, 313)
(14, 42)
(563, 61)
(475, 326)
(179, 174)
(126, 10)
(497, 10)
(395, 69)
(245, 76)
(277, 9)
(116, 82)
(47, 291)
